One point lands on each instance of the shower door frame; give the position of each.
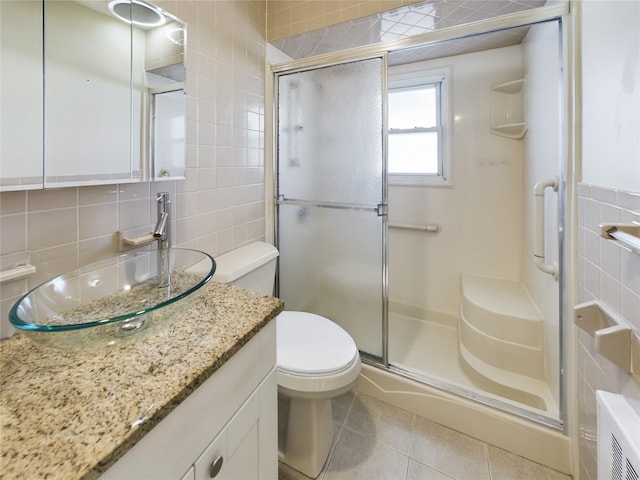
(559, 13)
(382, 207)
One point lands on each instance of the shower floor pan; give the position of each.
(432, 349)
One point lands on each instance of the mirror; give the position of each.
(21, 135)
(114, 92)
(114, 106)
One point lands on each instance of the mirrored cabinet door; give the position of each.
(88, 95)
(96, 96)
(21, 136)
(164, 81)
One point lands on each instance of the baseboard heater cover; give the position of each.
(618, 438)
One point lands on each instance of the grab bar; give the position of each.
(539, 221)
(627, 234)
(429, 227)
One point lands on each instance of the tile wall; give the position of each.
(610, 273)
(219, 206)
(292, 17)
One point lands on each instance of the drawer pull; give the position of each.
(215, 467)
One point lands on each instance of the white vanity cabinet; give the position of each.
(236, 452)
(229, 422)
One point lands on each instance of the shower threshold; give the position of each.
(499, 424)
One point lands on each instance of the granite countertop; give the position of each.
(73, 414)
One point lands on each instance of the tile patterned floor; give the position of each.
(377, 441)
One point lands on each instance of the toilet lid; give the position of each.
(309, 344)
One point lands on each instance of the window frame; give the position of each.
(403, 77)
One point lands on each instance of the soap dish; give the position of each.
(614, 340)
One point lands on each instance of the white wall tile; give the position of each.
(584, 190)
(98, 194)
(186, 205)
(186, 230)
(206, 134)
(133, 191)
(206, 156)
(207, 178)
(610, 257)
(97, 220)
(38, 200)
(209, 223)
(224, 156)
(13, 202)
(13, 233)
(47, 229)
(611, 276)
(97, 248)
(592, 246)
(592, 278)
(225, 177)
(629, 200)
(610, 213)
(134, 213)
(53, 261)
(631, 307)
(632, 217)
(630, 270)
(611, 291)
(601, 194)
(591, 214)
(239, 196)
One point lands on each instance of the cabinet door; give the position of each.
(246, 448)
(233, 454)
(21, 135)
(212, 463)
(190, 475)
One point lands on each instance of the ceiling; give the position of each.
(415, 19)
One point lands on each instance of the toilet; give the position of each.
(316, 361)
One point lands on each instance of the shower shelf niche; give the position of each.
(509, 109)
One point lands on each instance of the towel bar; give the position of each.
(430, 227)
(627, 234)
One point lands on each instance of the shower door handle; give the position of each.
(539, 224)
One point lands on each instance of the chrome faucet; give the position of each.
(162, 233)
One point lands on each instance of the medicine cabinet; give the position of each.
(84, 89)
(21, 96)
(509, 109)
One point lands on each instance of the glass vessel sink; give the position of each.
(114, 301)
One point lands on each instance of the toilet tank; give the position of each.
(252, 267)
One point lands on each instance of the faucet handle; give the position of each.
(161, 226)
(163, 197)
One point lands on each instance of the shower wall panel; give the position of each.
(479, 214)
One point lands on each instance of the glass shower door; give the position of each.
(331, 205)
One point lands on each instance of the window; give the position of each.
(418, 142)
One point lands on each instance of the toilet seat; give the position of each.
(314, 354)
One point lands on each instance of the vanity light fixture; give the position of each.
(137, 12)
(176, 35)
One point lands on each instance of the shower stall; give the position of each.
(450, 278)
